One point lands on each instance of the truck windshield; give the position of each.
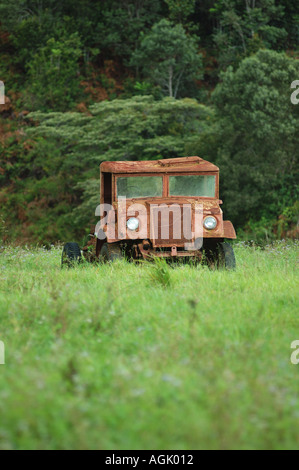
(192, 185)
(140, 186)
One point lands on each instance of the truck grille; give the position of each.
(171, 225)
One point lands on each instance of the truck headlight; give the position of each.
(210, 223)
(133, 223)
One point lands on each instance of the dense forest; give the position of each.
(88, 81)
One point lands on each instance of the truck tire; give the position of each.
(110, 253)
(226, 256)
(221, 255)
(71, 255)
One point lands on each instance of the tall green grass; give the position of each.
(121, 356)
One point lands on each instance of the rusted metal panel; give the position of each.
(228, 230)
(176, 223)
(210, 207)
(181, 165)
(172, 253)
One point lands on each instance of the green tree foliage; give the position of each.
(180, 10)
(120, 23)
(36, 188)
(52, 76)
(31, 23)
(256, 131)
(245, 26)
(169, 58)
(140, 128)
(291, 23)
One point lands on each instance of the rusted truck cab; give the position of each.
(167, 208)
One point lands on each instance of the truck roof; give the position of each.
(171, 165)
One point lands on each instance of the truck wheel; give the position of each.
(221, 256)
(228, 259)
(71, 255)
(111, 252)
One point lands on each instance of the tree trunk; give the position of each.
(178, 83)
(170, 79)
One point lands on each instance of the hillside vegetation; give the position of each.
(146, 79)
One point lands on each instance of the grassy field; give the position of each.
(128, 356)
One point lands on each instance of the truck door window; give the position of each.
(192, 185)
(139, 186)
